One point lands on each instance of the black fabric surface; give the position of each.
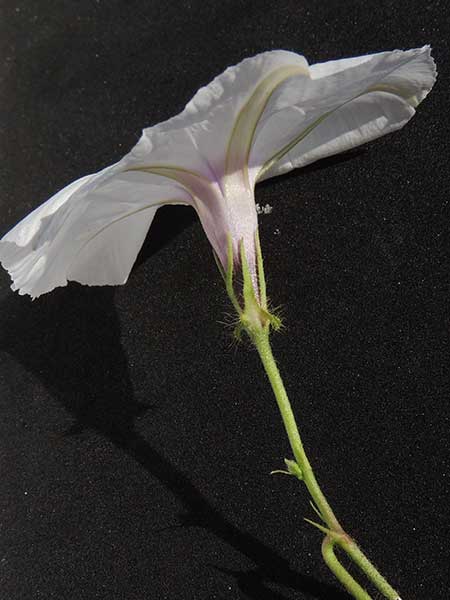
(136, 438)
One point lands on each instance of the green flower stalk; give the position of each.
(267, 115)
(257, 322)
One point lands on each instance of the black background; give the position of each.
(136, 438)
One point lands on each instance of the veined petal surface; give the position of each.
(341, 105)
(265, 116)
(86, 233)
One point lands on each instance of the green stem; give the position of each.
(340, 572)
(359, 558)
(262, 344)
(335, 534)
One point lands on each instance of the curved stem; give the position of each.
(340, 572)
(335, 534)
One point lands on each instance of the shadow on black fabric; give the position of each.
(71, 342)
(324, 163)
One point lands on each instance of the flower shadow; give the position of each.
(321, 165)
(70, 341)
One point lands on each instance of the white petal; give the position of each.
(212, 137)
(87, 233)
(201, 132)
(331, 67)
(271, 106)
(234, 85)
(345, 103)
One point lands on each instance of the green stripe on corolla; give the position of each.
(395, 91)
(279, 155)
(245, 125)
(188, 178)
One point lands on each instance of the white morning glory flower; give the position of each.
(265, 116)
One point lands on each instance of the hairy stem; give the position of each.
(335, 534)
(340, 572)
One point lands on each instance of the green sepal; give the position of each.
(254, 316)
(261, 274)
(248, 289)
